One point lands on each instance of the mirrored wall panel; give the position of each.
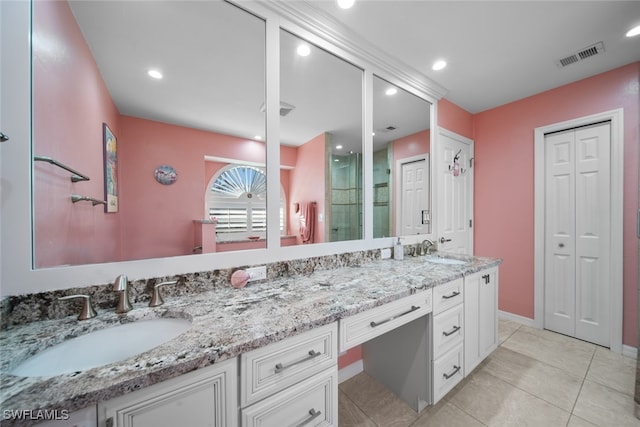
(321, 144)
(148, 130)
(401, 162)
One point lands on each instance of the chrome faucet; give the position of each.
(425, 247)
(121, 285)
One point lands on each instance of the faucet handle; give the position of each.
(156, 298)
(87, 309)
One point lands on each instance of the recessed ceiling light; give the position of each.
(303, 50)
(345, 4)
(338, 147)
(391, 91)
(439, 65)
(155, 74)
(634, 31)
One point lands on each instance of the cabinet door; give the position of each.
(487, 312)
(206, 397)
(480, 317)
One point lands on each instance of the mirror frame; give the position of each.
(17, 275)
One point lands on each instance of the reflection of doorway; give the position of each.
(345, 221)
(412, 206)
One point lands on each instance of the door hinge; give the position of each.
(470, 223)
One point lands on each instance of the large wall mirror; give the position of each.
(401, 162)
(177, 164)
(178, 156)
(321, 134)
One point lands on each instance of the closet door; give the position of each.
(577, 216)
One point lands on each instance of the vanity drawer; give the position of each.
(448, 330)
(269, 369)
(369, 324)
(448, 370)
(312, 402)
(447, 295)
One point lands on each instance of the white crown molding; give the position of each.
(323, 25)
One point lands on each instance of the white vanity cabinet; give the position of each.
(292, 382)
(448, 334)
(481, 317)
(205, 397)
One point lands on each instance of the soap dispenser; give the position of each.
(398, 250)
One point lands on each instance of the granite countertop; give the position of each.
(225, 323)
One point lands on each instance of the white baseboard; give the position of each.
(516, 318)
(350, 371)
(629, 351)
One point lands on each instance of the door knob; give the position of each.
(443, 240)
(3, 137)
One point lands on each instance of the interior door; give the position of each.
(455, 193)
(577, 240)
(414, 197)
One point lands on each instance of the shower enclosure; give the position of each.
(345, 198)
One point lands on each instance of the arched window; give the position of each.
(236, 196)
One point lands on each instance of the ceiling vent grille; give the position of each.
(285, 108)
(583, 54)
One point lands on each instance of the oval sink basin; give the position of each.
(449, 261)
(102, 347)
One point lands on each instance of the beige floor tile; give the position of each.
(568, 354)
(613, 370)
(349, 415)
(379, 403)
(605, 407)
(495, 402)
(547, 382)
(506, 328)
(446, 415)
(579, 422)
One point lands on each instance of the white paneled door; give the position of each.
(414, 197)
(455, 193)
(577, 236)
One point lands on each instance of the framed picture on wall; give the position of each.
(110, 169)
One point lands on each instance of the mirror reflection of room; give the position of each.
(321, 126)
(180, 88)
(401, 167)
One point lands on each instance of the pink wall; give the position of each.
(70, 104)
(504, 181)
(307, 183)
(455, 119)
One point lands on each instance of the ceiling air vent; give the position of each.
(583, 54)
(284, 108)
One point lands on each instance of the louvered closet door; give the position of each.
(577, 241)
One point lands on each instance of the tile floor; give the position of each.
(535, 378)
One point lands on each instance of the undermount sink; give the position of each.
(102, 347)
(443, 260)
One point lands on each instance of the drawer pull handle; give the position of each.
(455, 371)
(314, 414)
(312, 353)
(451, 332)
(413, 308)
(454, 294)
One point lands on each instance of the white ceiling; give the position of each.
(497, 52)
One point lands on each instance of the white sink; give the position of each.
(449, 261)
(102, 347)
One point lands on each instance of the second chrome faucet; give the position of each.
(121, 286)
